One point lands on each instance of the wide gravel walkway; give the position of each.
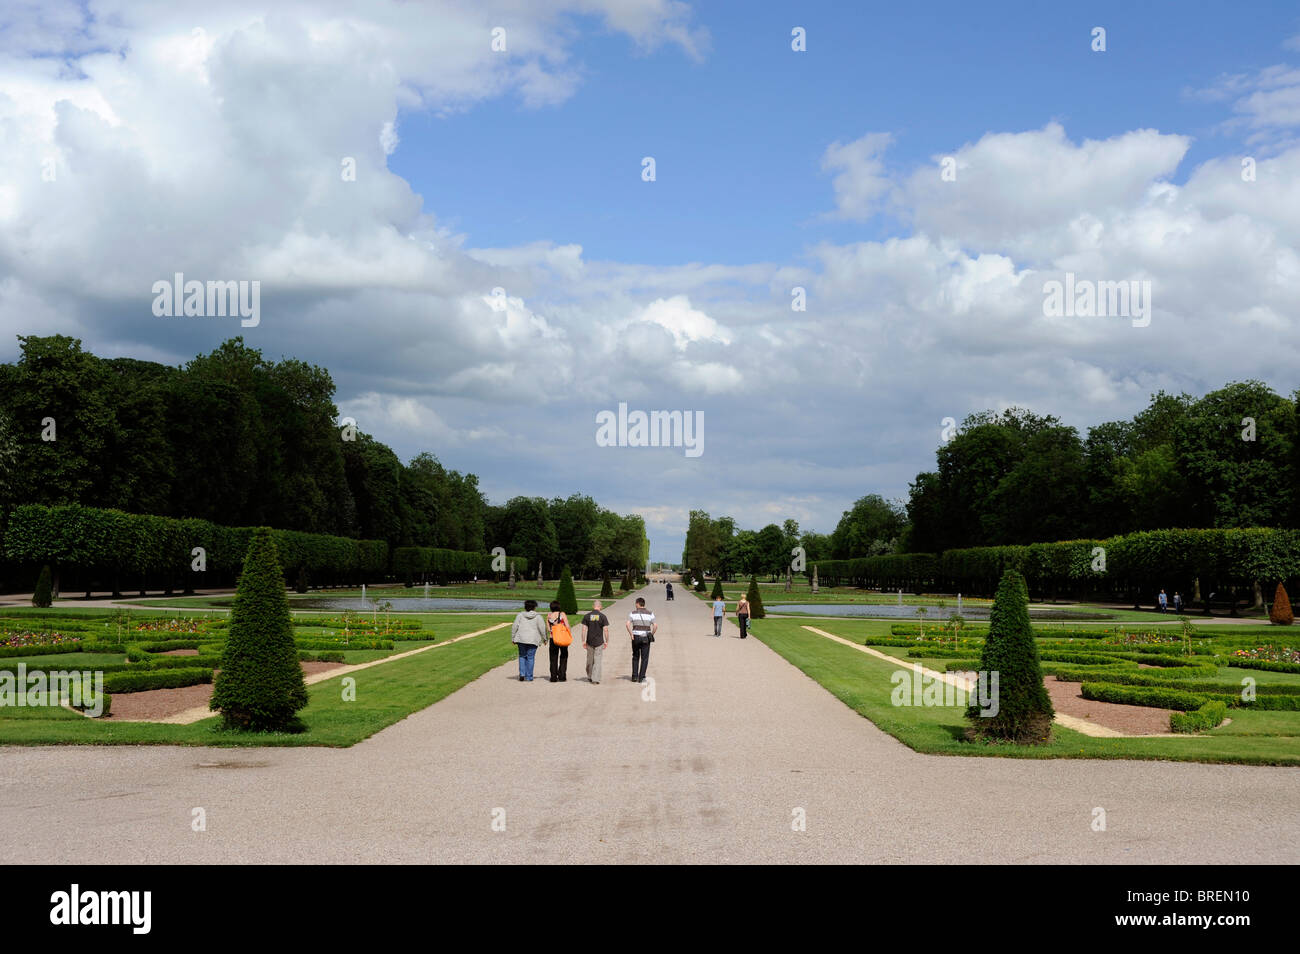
(734, 747)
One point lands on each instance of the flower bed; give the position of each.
(35, 638)
(1270, 653)
(170, 626)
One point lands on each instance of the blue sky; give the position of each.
(208, 139)
(738, 137)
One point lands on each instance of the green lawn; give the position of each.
(862, 682)
(384, 695)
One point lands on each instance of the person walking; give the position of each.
(557, 624)
(528, 631)
(669, 591)
(742, 614)
(1164, 601)
(1178, 602)
(719, 610)
(595, 636)
(641, 626)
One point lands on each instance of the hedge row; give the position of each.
(423, 564)
(1141, 678)
(1154, 696)
(1133, 563)
(1169, 698)
(938, 644)
(940, 653)
(304, 656)
(335, 623)
(339, 644)
(913, 629)
(112, 544)
(105, 701)
(58, 649)
(155, 679)
(1267, 665)
(1201, 720)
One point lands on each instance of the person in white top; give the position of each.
(641, 626)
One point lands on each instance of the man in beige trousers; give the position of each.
(595, 627)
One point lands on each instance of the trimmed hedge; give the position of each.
(107, 709)
(1140, 678)
(356, 643)
(42, 596)
(53, 649)
(1206, 717)
(1279, 614)
(1266, 665)
(1153, 696)
(320, 657)
(1140, 562)
(412, 564)
(96, 541)
(1079, 659)
(155, 679)
(940, 653)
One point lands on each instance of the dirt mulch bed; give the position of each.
(310, 667)
(156, 704)
(180, 652)
(1131, 720)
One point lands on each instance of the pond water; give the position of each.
(403, 604)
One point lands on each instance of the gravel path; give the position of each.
(733, 748)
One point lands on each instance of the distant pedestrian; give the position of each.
(742, 614)
(1178, 602)
(595, 636)
(1164, 601)
(669, 591)
(641, 626)
(719, 610)
(528, 631)
(557, 624)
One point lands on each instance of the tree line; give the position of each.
(1230, 459)
(238, 440)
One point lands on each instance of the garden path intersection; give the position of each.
(710, 762)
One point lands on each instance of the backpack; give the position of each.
(561, 635)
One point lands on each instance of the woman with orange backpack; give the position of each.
(557, 623)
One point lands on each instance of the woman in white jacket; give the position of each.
(528, 631)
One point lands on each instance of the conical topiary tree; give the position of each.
(606, 587)
(1023, 708)
(699, 583)
(717, 593)
(626, 582)
(260, 686)
(755, 598)
(44, 588)
(565, 596)
(1279, 613)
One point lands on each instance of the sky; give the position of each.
(500, 270)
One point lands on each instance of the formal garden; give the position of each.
(1195, 692)
(236, 678)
